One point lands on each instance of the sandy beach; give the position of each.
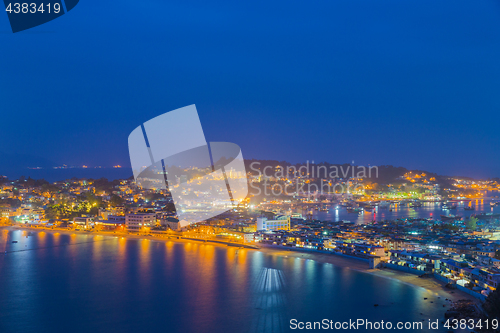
(432, 286)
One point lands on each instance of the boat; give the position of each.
(469, 208)
(14, 241)
(450, 218)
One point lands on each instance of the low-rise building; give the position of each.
(355, 248)
(280, 222)
(4, 213)
(248, 238)
(173, 223)
(112, 222)
(416, 260)
(83, 221)
(136, 222)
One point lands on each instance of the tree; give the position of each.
(116, 200)
(471, 223)
(492, 304)
(153, 196)
(103, 184)
(169, 207)
(51, 188)
(447, 227)
(419, 190)
(93, 200)
(9, 202)
(94, 211)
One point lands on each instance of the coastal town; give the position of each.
(250, 167)
(463, 252)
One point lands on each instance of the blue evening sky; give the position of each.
(413, 83)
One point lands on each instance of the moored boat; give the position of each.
(485, 216)
(354, 210)
(450, 218)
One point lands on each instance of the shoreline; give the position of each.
(432, 286)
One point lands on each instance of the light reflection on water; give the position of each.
(84, 283)
(270, 302)
(428, 210)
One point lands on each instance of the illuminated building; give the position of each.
(174, 223)
(135, 222)
(280, 223)
(86, 221)
(112, 221)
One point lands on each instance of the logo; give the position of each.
(26, 15)
(170, 153)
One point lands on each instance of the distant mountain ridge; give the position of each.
(386, 173)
